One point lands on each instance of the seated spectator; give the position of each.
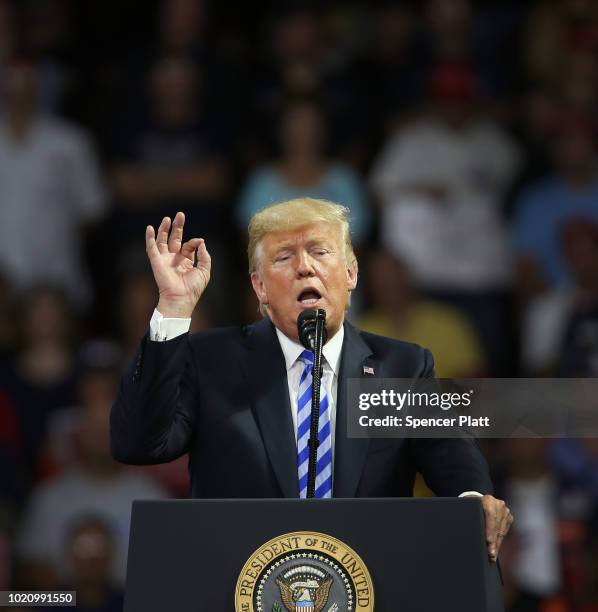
(579, 347)
(136, 300)
(89, 552)
(181, 26)
(297, 60)
(441, 181)
(397, 312)
(467, 32)
(386, 65)
(532, 493)
(560, 328)
(40, 377)
(303, 169)
(97, 362)
(575, 463)
(542, 210)
(184, 29)
(50, 188)
(174, 157)
(94, 484)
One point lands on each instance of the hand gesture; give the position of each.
(180, 277)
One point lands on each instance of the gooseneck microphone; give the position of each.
(311, 327)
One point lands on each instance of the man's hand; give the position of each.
(180, 282)
(498, 522)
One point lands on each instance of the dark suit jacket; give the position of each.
(222, 396)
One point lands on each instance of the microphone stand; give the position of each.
(316, 376)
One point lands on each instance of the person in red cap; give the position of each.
(441, 181)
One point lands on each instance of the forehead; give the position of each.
(308, 234)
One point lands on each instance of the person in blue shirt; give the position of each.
(546, 206)
(304, 170)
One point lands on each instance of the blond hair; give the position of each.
(292, 215)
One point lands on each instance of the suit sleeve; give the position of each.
(450, 466)
(153, 417)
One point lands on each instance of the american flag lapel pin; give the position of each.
(368, 370)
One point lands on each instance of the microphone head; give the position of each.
(306, 327)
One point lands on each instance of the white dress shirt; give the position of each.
(162, 328)
(330, 364)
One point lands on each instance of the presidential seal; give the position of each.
(304, 571)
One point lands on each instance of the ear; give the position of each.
(259, 287)
(352, 272)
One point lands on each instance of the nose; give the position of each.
(305, 265)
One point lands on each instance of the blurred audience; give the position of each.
(174, 158)
(461, 114)
(50, 188)
(89, 553)
(398, 312)
(8, 31)
(544, 207)
(39, 377)
(558, 29)
(297, 62)
(575, 465)
(181, 27)
(387, 67)
(305, 169)
(93, 484)
(534, 571)
(136, 301)
(560, 327)
(441, 181)
(7, 330)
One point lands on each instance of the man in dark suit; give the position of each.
(233, 398)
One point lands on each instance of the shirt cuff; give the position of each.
(471, 494)
(162, 328)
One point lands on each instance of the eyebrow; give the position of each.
(311, 242)
(289, 245)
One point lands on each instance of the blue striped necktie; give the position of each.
(324, 463)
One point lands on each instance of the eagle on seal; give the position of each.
(299, 600)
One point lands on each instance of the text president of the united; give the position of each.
(231, 397)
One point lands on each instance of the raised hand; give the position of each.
(180, 282)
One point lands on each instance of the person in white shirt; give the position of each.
(441, 181)
(50, 187)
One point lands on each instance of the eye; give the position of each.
(282, 257)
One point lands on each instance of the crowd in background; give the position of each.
(462, 136)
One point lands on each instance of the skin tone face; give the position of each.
(303, 269)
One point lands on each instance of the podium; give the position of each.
(336, 555)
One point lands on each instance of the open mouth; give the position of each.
(309, 297)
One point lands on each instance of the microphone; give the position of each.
(311, 327)
(307, 323)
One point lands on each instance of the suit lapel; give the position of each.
(266, 371)
(349, 453)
